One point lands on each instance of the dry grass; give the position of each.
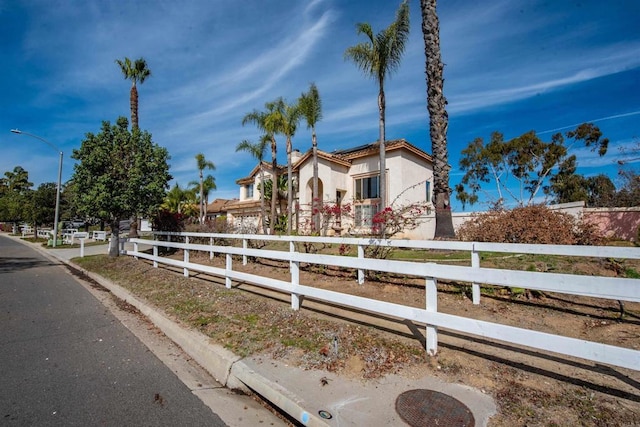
(532, 389)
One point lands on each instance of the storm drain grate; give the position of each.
(431, 408)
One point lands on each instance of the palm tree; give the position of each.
(203, 164)
(438, 119)
(290, 116)
(136, 72)
(311, 109)
(377, 57)
(175, 199)
(257, 151)
(269, 122)
(208, 185)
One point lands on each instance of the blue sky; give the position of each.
(510, 66)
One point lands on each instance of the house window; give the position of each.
(368, 188)
(248, 191)
(364, 214)
(366, 206)
(428, 193)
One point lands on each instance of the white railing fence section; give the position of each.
(621, 289)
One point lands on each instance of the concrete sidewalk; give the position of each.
(316, 398)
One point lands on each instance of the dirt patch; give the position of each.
(532, 388)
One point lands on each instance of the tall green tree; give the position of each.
(15, 189)
(137, 72)
(311, 109)
(16, 181)
(257, 151)
(527, 160)
(438, 119)
(203, 164)
(42, 205)
(269, 122)
(378, 57)
(119, 173)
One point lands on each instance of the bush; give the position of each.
(166, 220)
(530, 224)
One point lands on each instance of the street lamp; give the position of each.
(55, 224)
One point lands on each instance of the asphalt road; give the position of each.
(66, 360)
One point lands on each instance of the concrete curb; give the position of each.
(243, 376)
(226, 367)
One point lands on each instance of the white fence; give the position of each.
(599, 287)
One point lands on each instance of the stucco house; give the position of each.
(348, 184)
(218, 208)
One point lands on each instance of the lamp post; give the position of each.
(55, 224)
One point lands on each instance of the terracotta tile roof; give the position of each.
(373, 148)
(219, 205)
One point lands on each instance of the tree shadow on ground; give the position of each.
(10, 264)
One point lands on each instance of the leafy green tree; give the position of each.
(629, 193)
(438, 118)
(527, 159)
(42, 205)
(15, 189)
(257, 151)
(203, 164)
(568, 186)
(119, 173)
(136, 71)
(311, 108)
(15, 181)
(378, 57)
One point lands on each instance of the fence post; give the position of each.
(82, 248)
(292, 249)
(229, 269)
(135, 249)
(155, 256)
(360, 271)
(186, 260)
(211, 244)
(121, 242)
(244, 250)
(475, 263)
(295, 281)
(432, 306)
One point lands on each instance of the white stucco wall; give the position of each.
(407, 175)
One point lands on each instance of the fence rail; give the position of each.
(591, 286)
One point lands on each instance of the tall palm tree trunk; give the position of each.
(274, 186)
(438, 119)
(134, 105)
(383, 153)
(201, 217)
(289, 188)
(316, 203)
(263, 211)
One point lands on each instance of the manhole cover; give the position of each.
(431, 408)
